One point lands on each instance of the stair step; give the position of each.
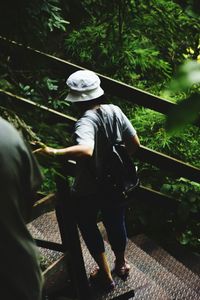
(154, 275)
(46, 227)
(144, 287)
(174, 286)
(168, 262)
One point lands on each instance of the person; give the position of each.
(20, 274)
(89, 99)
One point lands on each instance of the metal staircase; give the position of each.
(155, 274)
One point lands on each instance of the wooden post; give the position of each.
(65, 212)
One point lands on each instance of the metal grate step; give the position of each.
(168, 262)
(152, 278)
(145, 288)
(174, 287)
(46, 227)
(166, 276)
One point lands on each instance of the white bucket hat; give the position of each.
(84, 86)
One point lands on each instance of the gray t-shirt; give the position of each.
(20, 274)
(88, 132)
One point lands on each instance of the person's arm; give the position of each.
(72, 152)
(132, 143)
(129, 134)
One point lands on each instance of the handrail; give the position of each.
(56, 116)
(169, 163)
(142, 193)
(42, 205)
(178, 167)
(111, 86)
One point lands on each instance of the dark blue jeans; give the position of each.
(113, 217)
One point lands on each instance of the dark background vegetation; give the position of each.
(142, 43)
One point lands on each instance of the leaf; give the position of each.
(183, 113)
(184, 240)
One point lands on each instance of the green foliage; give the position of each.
(131, 41)
(185, 222)
(187, 81)
(191, 7)
(48, 184)
(191, 237)
(44, 263)
(168, 18)
(36, 85)
(25, 130)
(183, 225)
(135, 59)
(43, 91)
(38, 17)
(188, 193)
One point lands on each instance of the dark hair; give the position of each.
(100, 100)
(84, 105)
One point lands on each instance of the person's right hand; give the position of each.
(46, 150)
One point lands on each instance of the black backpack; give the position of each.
(117, 174)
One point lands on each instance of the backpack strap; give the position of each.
(111, 139)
